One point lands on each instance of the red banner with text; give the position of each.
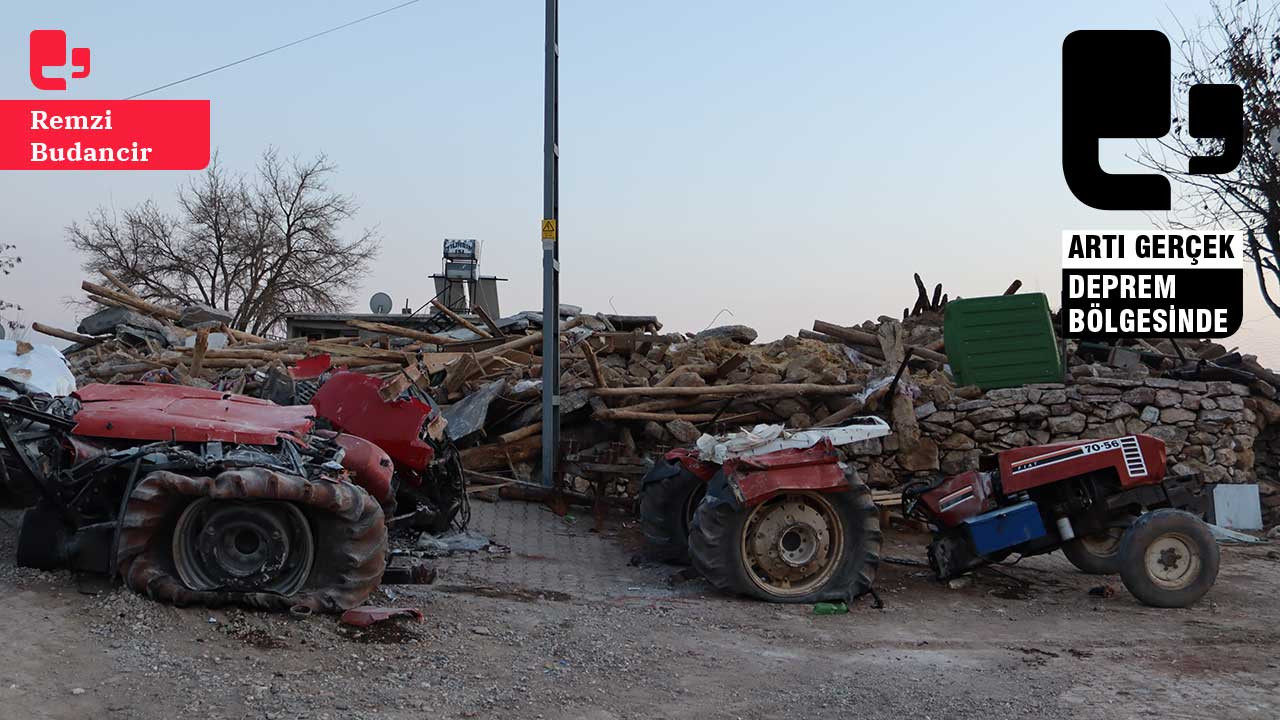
(104, 134)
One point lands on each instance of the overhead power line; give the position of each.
(274, 49)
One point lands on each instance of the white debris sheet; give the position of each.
(41, 368)
(763, 439)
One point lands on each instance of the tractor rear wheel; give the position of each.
(252, 537)
(1096, 554)
(1168, 558)
(796, 547)
(669, 496)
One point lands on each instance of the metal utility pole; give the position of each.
(551, 251)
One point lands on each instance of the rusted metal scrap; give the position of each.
(367, 615)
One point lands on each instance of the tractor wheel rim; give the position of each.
(1103, 544)
(792, 543)
(243, 546)
(1172, 561)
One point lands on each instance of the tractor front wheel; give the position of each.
(1096, 554)
(796, 547)
(1168, 558)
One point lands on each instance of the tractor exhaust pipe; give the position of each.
(1065, 530)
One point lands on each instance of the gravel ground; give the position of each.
(566, 625)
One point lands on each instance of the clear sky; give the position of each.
(783, 161)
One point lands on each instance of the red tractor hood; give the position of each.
(176, 413)
(1137, 460)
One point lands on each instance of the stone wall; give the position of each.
(1266, 453)
(1208, 427)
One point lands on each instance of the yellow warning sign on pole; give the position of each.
(549, 229)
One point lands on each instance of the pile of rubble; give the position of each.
(133, 339)
(629, 390)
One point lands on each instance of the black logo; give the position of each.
(1116, 84)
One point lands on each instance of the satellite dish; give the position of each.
(380, 303)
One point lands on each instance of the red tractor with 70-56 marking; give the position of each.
(779, 517)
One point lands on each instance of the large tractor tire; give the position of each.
(1096, 554)
(252, 537)
(1168, 558)
(669, 495)
(796, 547)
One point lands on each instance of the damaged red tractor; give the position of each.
(197, 496)
(782, 519)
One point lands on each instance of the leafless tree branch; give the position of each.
(257, 247)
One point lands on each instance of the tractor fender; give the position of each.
(756, 479)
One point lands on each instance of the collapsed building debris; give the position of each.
(631, 391)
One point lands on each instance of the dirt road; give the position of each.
(563, 626)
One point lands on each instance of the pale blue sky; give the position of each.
(785, 161)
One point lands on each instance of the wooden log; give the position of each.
(242, 336)
(459, 319)
(197, 353)
(863, 338)
(521, 433)
(495, 455)
(379, 369)
(239, 354)
(890, 334)
(804, 334)
(124, 287)
(296, 345)
(488, 321)
(841, 415)
(729, 366)
(321, 346)
(596, 373)
(775, 390)
(396, 330)
(397, 384)
(106, 370)
(640, 416)
(66, 334)
(138, 304)
(529, 340)
(850, 335)
(922, 296)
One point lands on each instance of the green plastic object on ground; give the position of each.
(826, 608)
(1003, 341)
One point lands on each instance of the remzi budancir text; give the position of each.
(76, 152)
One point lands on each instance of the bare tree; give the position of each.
(8, 261)
(1240, 44)
(258, 247)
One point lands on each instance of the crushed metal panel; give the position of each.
(352, 404)
(38, 367)
(149, 411)
(468, 415)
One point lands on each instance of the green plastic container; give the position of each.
(1003, 341)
